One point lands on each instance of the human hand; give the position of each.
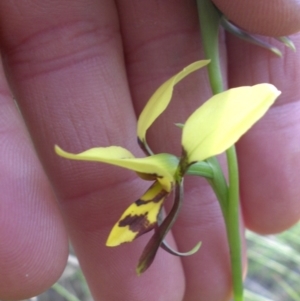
(81, 73)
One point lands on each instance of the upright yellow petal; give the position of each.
(161, 98)
(139, 218)
(162, 166)
(224, 118)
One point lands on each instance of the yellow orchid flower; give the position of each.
(209, 131)
(142, 215)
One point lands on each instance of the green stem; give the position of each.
(219, 185)
(209, 24)
(64, 292)
(202, 169)
(212, 171)
(232, 224)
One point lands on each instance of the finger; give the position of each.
(34, 245)
(69, 77)
(269, 155)
(160, 39)
(270, 18)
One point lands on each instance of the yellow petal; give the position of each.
(139, 218)
(162, 166)
(224, 118)
(161, 98)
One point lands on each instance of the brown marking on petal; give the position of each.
(183, 163)
(153, 176)
(146, 176)
(137, 223)
(143, 146)
(156, 199)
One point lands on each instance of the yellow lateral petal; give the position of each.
(162, 166)
(139, 218)
(224, 118)
(161, 98)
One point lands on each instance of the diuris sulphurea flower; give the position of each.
(209, 131)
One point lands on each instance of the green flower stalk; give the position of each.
(210, 19)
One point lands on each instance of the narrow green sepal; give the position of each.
(164, 245)
(287, 42)
(167, 248)
(236, 31)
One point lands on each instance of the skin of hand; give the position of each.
(81, 71)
